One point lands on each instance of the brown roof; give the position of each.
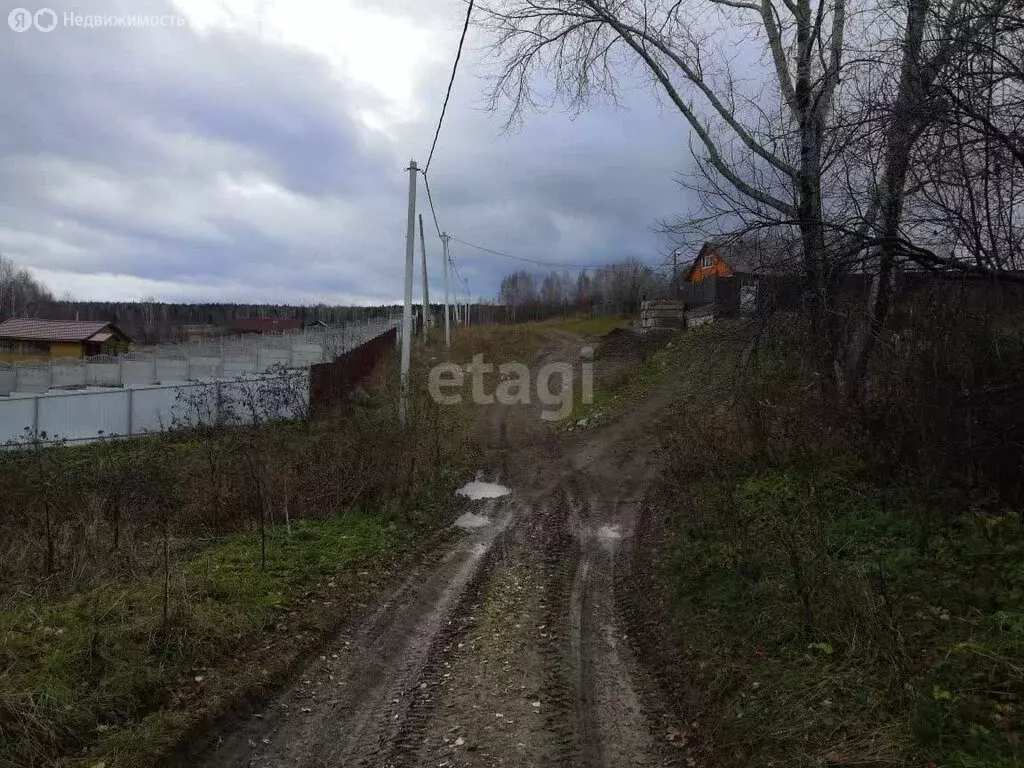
(751, 254)
(31, 329)
(265, 324)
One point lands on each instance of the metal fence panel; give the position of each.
(16, 418)
(82, 415)
(140, 406)
(153, 408)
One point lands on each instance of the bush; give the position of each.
(847, 585)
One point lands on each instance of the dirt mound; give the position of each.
(627, 344)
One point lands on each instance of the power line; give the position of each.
(530, 261)
(451, 82)
(430, 200)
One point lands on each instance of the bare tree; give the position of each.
(822, 144)
(769, 160)
(969, 172)
(20, 293)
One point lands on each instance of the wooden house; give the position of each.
(24, 338)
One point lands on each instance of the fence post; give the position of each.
(154, 379)
(35, 416)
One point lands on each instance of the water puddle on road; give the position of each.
(477, 490)
(468, 521)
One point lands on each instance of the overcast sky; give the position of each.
(256, 153)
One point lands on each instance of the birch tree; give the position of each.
(770, 158)
(822, 143)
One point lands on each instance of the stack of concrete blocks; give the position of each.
(661, 315)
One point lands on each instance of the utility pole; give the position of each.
(447, 306)
(410, 243)
(426, 290)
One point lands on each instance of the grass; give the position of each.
(591, 326)
(636, 380)
(832, 605)
(104, 675)
(931, 677)
(91, 669)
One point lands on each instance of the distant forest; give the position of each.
(150, 322)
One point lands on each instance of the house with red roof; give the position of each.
(265, 325)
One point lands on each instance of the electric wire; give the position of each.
(451, 82)
(530, 261)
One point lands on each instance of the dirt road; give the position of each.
(510, 648)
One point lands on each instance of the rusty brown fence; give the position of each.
(332, 384)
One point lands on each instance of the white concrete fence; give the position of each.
(226, 358)
(146, 392)
(88, 415)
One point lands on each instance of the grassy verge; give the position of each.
(621, 383)
(836, 602)
(109, 675)
(135, 605)
(140, 601)
(591, 326)
(894, 643)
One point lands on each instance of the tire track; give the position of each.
(351, 703)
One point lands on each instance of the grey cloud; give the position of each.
(117, 144)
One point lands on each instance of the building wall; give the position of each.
(718, 268)
(13, 356)
(66, 349)
(28, 351)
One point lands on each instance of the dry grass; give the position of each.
(146, 584)
(845, 593)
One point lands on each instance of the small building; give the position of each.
(734, 276)
(24, 338)
(246, 325)
(738, 256)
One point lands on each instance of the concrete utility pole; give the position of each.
(447, 306)
(410, 243)
(426, 290)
